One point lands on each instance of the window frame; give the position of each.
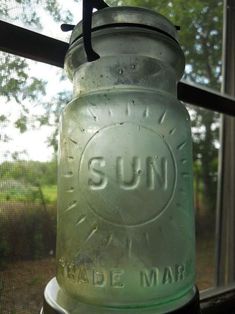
(29, 44)
(38, 47)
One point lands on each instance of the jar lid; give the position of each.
(124, 16)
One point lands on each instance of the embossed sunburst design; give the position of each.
(133, 162)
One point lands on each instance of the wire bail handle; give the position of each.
(88, 6)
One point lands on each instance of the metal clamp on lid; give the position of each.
(88, 6)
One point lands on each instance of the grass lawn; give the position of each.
(50, 193)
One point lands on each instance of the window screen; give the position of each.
(32, 96)
(42, 16)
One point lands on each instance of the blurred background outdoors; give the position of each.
(32, 96)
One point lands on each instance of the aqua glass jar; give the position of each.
(125, 237)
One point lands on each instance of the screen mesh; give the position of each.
(43, 16)
(31, 97)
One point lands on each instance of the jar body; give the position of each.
(125, 214)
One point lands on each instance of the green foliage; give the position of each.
(56, 12)
(29, 172)
(29, 12)
(50, 193)
(21, 124)
(13, 78)
(53, 111)
(27, 210)
(3, 118)
(16, 81)
(28, 182)
(200, 36)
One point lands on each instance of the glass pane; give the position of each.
(28, 183)
(42, 16)
(206, 145)
(29, 98)
(200, 35)
(30, 105)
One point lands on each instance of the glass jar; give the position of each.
(125, 235)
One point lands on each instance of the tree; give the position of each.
(200, 36)
(201, 40)
(30, 173)
(17, 84)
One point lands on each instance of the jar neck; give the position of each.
(124, 72)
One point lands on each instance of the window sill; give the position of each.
(218, 300)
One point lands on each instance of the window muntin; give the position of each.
(212, 126)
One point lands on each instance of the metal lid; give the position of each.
(127, 16)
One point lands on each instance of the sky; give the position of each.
(34, 141)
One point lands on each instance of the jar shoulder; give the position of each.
(146, 107)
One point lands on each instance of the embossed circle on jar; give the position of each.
(127, 174)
